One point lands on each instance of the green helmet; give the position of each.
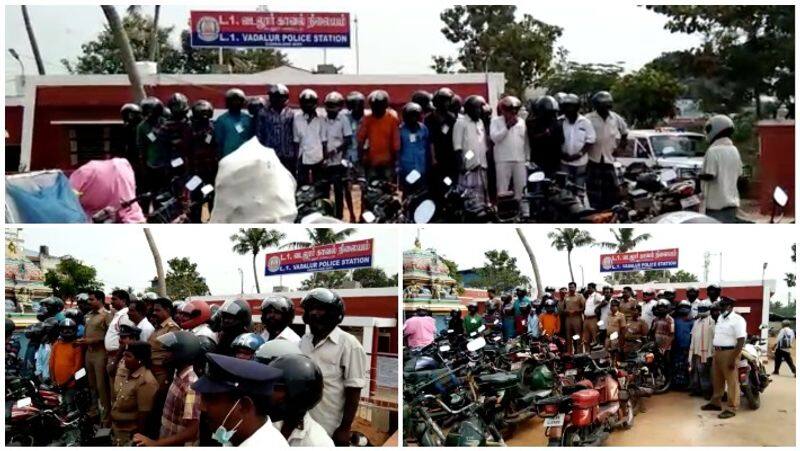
(540, 378)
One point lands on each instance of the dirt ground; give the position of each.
(675, 419)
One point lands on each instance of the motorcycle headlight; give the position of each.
(649, 357)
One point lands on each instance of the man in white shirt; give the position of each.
(579, 136)
(692, 295)
(648, 302)
(605, 310)
(309, 137)
(783, 348)
(469, 140)
(722, 167)
(511, 147)
(611, 133)
(339, 136)
(730, 332)
(590, 318)
(340, 357)
(119, 301)
(137, 313)
(277, 316)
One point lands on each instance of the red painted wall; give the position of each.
(776, 164)
(14, 125)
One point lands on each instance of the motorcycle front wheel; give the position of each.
(752, 394)
(661, 382)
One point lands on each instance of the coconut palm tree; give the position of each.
(319, 237)
(626, 240)
(253, 241)
(125, 51)
(32, 38)
(569, 239)
(532, 257)
(161, 282)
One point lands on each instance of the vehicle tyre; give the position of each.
(752, 395)
(554, 442)
(627, 422)
(661, 381)
(571, 438)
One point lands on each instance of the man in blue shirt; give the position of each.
(415, 146)
(274, 127)
(233, 128)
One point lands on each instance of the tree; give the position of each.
(492, 39)
(532, 258)
(568, 239)
(756, 43)
(625, 239)
(646, 97)
(582, 80)
(161, 283)
(320, 237)
(102, 55)
(183, 280)
(253, 241)
(70, 277)
(372, 278)
(682, 276)
(650, 276)
(329, 279)
(499, 272)
(32, 39)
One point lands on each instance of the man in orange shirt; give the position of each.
(379, 138)
(549, 322)
(66, 358)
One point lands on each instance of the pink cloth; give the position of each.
(107, 183)
(419, 330)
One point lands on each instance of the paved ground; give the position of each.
(675, 419)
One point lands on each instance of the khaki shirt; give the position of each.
(627, 307)
(158, 353)
(574, 304)
(134, 393)
(615, 323)
(96, 326)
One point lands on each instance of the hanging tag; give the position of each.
(209, 138)
(151, 136)
(412, 137)
(193, 183)
(206, 190)
(445, 129)
(239, 128)
(176, 162)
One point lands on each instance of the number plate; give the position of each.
(556, 421)
(572, 372)
(690, 201)
(515, 366)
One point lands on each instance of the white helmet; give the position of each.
(716, 125)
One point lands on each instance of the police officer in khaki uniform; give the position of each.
(574, 305)
(135, 390)
(628, 303)
(162, 311)
(97, 322)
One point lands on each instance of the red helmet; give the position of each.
(197, 312)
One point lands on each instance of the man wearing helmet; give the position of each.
(680, 348)
(511, 147)
(416, 152)
(549, 322)
(648, 304)
(420, 329)
(722, 167)
(440, 125)
(309, 138)
(545, 134)
(175, 134)
(611, 133)
(203, 160)
(131, 115)
(194, 316)
(355, 103)
(277, 316)
(379, 138)
(66, 359)
(233, 128)
(470, 143)
(730, 333)
(232, 319)
(339, 135)
(147, 147)
(296, 392)
(579, 135)
(701, 349)
(274, 127)
(663, 327)
(245, 345)
(340, 357)
(692, 295)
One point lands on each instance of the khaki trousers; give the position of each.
(573, 325)
(590, 330)
(721, 374)
(98, 381)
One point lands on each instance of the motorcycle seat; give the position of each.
(497, 379)
(558, 399)
(535, 396)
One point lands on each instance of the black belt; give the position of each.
(724, 348)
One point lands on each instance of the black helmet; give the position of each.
(279, 303)
(510, 103)
(202, 109)
(472, 306)
(74, 314)
(334, 100)
(424, 99)
(278, 90)
(425, 363)
(302, 380)
(309, 95)
(412, 112)
(34, 332)
(456, 104)
(331, 301)
(276, 348)
(474, 101)
(234, 315)
(255, 104)
(602, 97)
(184, 347)
(249, 341)
(354, 100)
(50, 328)
(49, 307)
(378, 97)
(68, 329)
(178, 104)
(714, 288)
(152, 107)
(10, 327)
(455, 313)
(569, 99)
(692, 290)
(442, 98)
(235, 93)
(128, 330)
(546, 104)
(130, 110)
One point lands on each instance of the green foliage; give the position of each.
(321, 236)
(183, 279)
(101, 55)
(373, 278)
(492, 39)
(254, 240)
(71, 277)
(789, 310)
(646, 97)
(651, 276)
(499, 272)
(791, 278)
(567, 239)
(625, 239)
(330, 279)
(582, 80)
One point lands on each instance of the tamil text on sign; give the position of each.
(330, 257)
(639, 261)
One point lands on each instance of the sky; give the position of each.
(395, 38)
(122, 257)
(744, 250)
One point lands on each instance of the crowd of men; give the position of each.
(437, 135)
(701, 339)
(164, 373)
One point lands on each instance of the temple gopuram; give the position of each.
(24, 281)
(427, 283)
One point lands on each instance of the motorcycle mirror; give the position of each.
(24, 402)
(780, 197)
(413, 176)
(469, 155)
(193, 183)
(80, 373)
(576, 337)
(668, 175)
(444, 348)
(311, 218)
(424, 212)
(177, 162)
(482, 328)
(613, 336)
(447, 181)
(206, 189)
(537, 176)
(476, 344)
(368, 217)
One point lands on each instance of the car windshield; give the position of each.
(670, 146)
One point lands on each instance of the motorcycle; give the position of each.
(753, 375)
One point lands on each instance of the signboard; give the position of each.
(639, 261)
(330, 257)
(269, 29)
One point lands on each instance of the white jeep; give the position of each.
(665, 148)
